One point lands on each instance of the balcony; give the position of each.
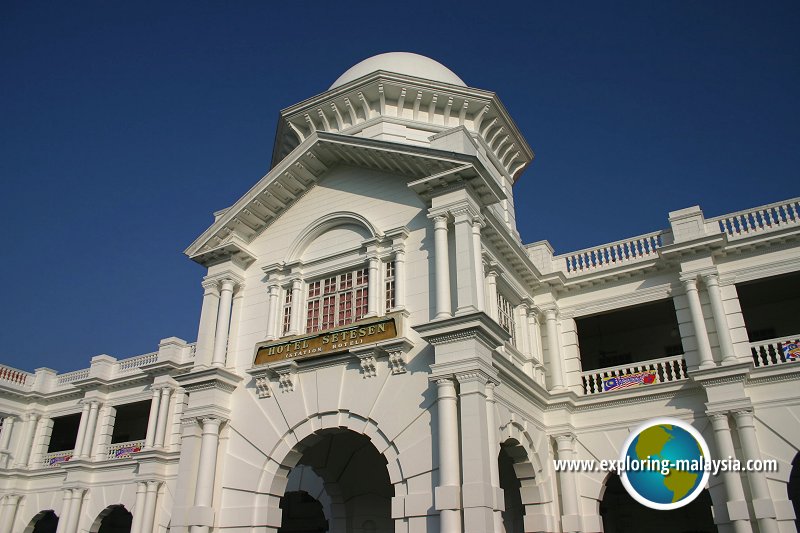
(54, 459)
(643, 373)
(776, 351)
(123, 450)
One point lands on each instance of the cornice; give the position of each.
(478, 326)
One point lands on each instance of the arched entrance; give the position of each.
(113, 519)
(622, 514)
(343, 486)
(514, 515)
(794, 489)
(43, 522)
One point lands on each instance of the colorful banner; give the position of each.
(126, 451)
(59, 459)
(791, 351)
(637, 379)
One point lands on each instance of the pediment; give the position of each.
(426, 169)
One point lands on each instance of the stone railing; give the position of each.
(14, 376)
(132, 363)
(612, 254)
(56, 458)
(121, 450)
(70, 377)
(664, 370)
(776, 351)
(760, 219)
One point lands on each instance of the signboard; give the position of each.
(636, 379)
(791, 351)
(327, 342)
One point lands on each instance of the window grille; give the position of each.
(338, 300)
(389, 285)
(505, 316)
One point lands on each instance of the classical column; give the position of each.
(569, 493)
(9, 513)
(374, 284)
(273, 318)
(554, 350)
(759, 491)
(294, 319)
(26, 445)
(466, 276)
(38, 442)
(204, 487)
(152, 420)
(138, 508)
(699, 324)
(734, 493)
(400, 279)
(491, 294)
(76, 452)
(5, 440)
(523, 333)
(208, 322)
(442, 266)
(161, 423)
(63, 517)
(223, 322)
(494, 455)
(149, 514)
(477, 249)
(75, 510)
(448, 493)
(720, 322)
(91, 426)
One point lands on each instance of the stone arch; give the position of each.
(113, 519)
(289, 451)
(532, 489)
(42, 522)
(793, 489)
(327, 223)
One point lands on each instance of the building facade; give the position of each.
(378, 351)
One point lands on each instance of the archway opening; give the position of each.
(43, 522)
(622, 514)
(340, 484)
(794, 489)
(514, 515)
(114, 519)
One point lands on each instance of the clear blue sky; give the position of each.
(124, 125)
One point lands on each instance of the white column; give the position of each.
(523, 332)
(5, 440)
(400, 279)
(494, 454)
(208, 323)
(91, 426)
(161, 423)
(223, 323)
(477, 250)
(178, 401)
(759, 491)
(466, 277)
(374, 287)
(138, 508)
(63, 518)
(81, 429)
(38, 442)
(9, 513)
(75, 510)
(536, 344)
(442, 266)
(734, 493)
(150, 435)
(448, 493)
(699, 324)
(204, 487)
(273, 317)
(26, 445)
(569, 495)
(720, 322)
(295, 317)
(554, 350)
(149, 514)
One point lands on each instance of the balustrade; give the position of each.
(760, 219)
(666, 370)
(615, 253)
(122, 450)
(12, 375)
(132, 363)
(776, 351)
(69, 377)
(56, 458)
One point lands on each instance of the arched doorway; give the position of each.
(346, 477)
(514, 514)
(622, 514)
(43, 522)
(794, 489)
(113, 519)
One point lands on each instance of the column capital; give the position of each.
(273, 288)
(564, 441)
(744, 417)
(711, 278)
(550, 312)
(719, 419)
(210, 286)
(90, 402)
(439, 220)
(210, 424)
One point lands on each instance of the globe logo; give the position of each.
(664, 462)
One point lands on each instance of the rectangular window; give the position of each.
(342, 300)
(287, 311)
(389, 285)
(505, 317)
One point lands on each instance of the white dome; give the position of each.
(401, 63)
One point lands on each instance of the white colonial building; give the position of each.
(378, 351)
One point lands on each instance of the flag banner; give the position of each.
(637, 379)
(791, 350)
